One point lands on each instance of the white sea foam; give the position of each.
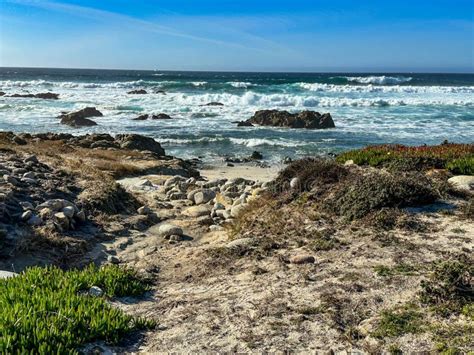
(255, 142)
(240, 84)
(379, 80)
(199, 83)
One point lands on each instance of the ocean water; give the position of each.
(367, 109)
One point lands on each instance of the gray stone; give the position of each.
(96, 291)
(237, 210)
(198, 211)
(29, 175)
(302, 259)
(27, 205)
(26, 215)
(241, 242)
(113, 259)
(68, 211)
(10, 179)
(144, 210)
(31, 158)
(167, 230)
(204, 196)
(462, 182)
(7, 274)
(81, 216)
(294, 183)
(35, 221)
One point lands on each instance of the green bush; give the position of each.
(463, 166)
(363, 194)
(394, 323)
(48, 310)
(458, 158)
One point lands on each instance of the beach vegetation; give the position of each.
(47, 310)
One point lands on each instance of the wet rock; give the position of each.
(161, 116)
(243, 124)
(137, 92)
(141, 117)
(41, 95)
(302, 259)
(80, 118)
(304, 119)
(256, 155)
(213, 103)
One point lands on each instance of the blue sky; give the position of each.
(295, 35)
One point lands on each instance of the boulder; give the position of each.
(167, 230)
(256, 156)
(80, 118)
(243, 124)
(137, 92)
(139, 142)
(462, 182)
(203, 196)
(141, 117)
(198, 211)
(213, 103)
(161, 116)
(304, 119)
(41, 95)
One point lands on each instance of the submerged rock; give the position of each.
(304, 119)
(213, 103)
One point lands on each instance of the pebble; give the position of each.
(175, 238)
(26, 215)
(96, 291)
(35, 221)
(144, 210)
(198, 211)
(31, 158)
(294, 183)
(113, 259)
(81, 216)
(10, 179)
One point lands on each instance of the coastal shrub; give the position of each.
(396, 322)
(360, 194)
(462, 166)
(450, 287)
(458, 158)
(48, 310)
(311, 173)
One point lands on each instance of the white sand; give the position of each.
(241, 170)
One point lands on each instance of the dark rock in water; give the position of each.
(141, 117)
(77, 121)
(2, 93)
(41, 95)
(214, 104)
(243, 124)
(136, 141)
(79, 118)
(304, 119)
(160, 92)
(161, 116)
(256, 156)
(137, 92)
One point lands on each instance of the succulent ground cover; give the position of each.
(48, 310)
(457, 158)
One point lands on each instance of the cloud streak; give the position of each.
(131, 22)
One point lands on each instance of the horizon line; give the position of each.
(322, 71)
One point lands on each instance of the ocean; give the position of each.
(376, 108)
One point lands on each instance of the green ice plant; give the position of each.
(48, 310)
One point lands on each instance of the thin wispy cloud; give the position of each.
(132, 22)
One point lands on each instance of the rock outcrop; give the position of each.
(304, 119)
(41, 95)
(137, 92)
(160, 116)
(80, 118)
(136, 141)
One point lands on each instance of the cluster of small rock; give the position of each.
(24, 189)
(220, 199)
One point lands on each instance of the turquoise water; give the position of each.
(367, 108)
